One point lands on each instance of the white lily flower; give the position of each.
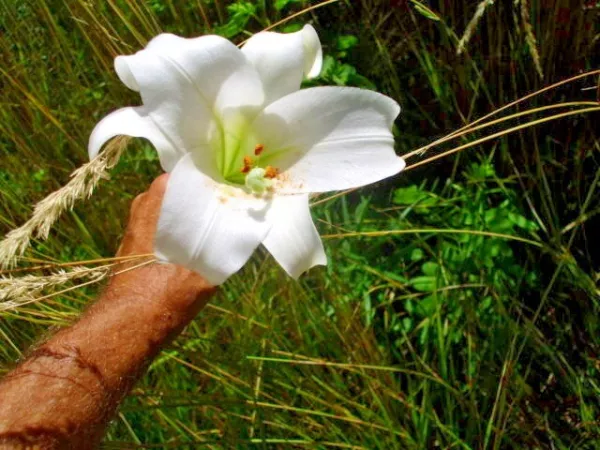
(245, 147)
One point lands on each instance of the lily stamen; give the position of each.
(247, 164)
(271, 172)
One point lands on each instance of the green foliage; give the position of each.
(440, 261)
(466, 259)
(337, 71)
(240, 13)
(282, 4)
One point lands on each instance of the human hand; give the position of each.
(171, 282)
(68, 389)
(143, 217)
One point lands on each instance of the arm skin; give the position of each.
(68, 389)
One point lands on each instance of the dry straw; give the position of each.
(530, 37)
(18, 291)
(83, 182)
(464, 40)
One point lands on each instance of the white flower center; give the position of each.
(257, 179)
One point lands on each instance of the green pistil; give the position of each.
(257, 182)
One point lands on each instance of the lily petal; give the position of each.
(208, 227)
(194, 88)
(293, 240)
(136, 123)
(282, 60)
(328, 138)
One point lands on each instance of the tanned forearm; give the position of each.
(66, 391)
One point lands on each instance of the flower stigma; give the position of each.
(257, 181)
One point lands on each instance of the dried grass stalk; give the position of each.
(83, 182)
(464, 40)
(18, 291)
(530, 37)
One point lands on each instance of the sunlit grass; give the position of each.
(460, 305)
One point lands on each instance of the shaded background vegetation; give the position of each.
(410, 338)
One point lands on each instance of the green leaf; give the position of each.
(240, 14)
(417, 254)
(424, 284)
(40, 175)
(497, 220)
(343, 74)
(430, 268)
(363, 82)
(522, 222)
(346, 42)
(407, 323)
(280, 4)
(413, 195)
(292, 28)
(481, 171)
(486, 303)
(328, 66)
(426, 307)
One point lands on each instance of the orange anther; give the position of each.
(258, 149)
(247, 164)
(271, 172)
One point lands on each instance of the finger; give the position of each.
(153, 202)
(159, 185)
(156, 192)
(136, 201)
(143, 218)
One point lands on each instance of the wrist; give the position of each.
(140, 311)
(161, 284)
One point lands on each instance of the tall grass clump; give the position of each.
(460, 305)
